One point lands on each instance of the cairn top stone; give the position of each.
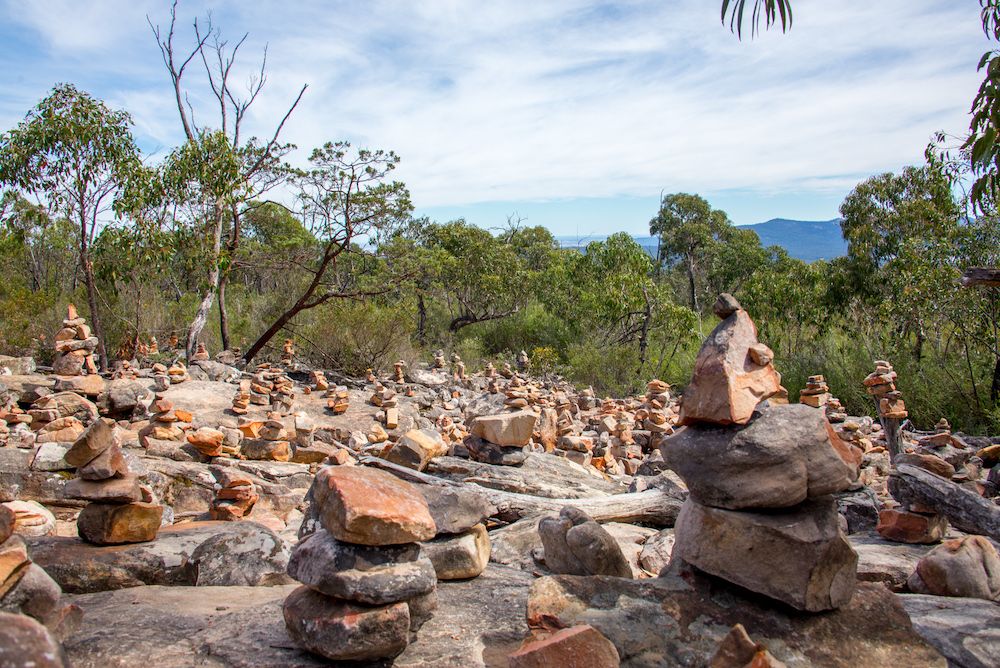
(367, 506)
(728, 380)
(725, 306)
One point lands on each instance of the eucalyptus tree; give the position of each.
(261, 165)
(73, 155)
(349, 205)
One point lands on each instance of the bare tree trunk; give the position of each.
(88, 279)
(995, 385)
(223, 316)
(421, 319)
(694, 294)
(201, 317)
(647, 316)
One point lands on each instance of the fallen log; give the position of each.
(653, 507)
(657, 507)
(981, 276)
(966, 510)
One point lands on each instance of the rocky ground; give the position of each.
(552, 515)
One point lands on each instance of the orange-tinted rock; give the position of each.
(370, 507)
(967, 566)
(111, 524)
(737, 650)
(207, 441)
(576, 647)
(935, 465)
(7, 521)
(96, 439)
(906, 527)
(727, 383)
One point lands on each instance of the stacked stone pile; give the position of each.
(338, 399)
(178, 373)
(235, 494)
(32, 618)
(385, 399)
(320, 383)
(200, 353)
(439, 360)
(166, 423)
(835, 411)
(287, 352)
(759, 513)
(75, 347)
(241, 401)
(816, 393)
(119, 510)
(271, 387)
(461, 549)
(365, 586)
(161, 378)
(500, 439)
(270, 443)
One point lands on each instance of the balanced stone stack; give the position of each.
(31, 615)
(235, 495)
(166, 423)
(385, 399)
(177, 373)
(439, 360)
(287, 352)
(200, 353)
(241, 402)
(881, 384)
(338, 399)
(320, 383)
(759, 513)
(271, 443)
(161, 379)
(397, 371)
(117, 512)
(74, 347)
(500, 439)
(365, 586)
(154, 347)
(816, 393)
(835, 411)
(173, 341)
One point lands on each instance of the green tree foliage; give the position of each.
(74, 155)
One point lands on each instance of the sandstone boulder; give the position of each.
(507, 429)
(416, 448)
(798, 556)
(577, 545)
(576, 647)
(778, 460)
(370, 507)
(456, 509)
(25, 643)
(460, 556)
(114, 524)
(727, 383)
(967, 567)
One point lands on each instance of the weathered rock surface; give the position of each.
(780, 459)
(968, 567)
(887, 562)
(416, 448)
(25, 643)
(727, 383)
(679, 619)
(964, 509)
(965, 630)
(374, 576)
(108, 524)
(456, 509)
(799, 556)
(577, 545)
(196, 553)
(370, 507)
(478, 623)
(459, 556)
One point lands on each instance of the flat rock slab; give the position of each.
(678, 620)
(195, 553)
(966, 630)
(884, 561)
(539, 475)
(477, 624)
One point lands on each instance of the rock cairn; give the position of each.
(271, 387)
(166, 423)
(287, 352)
(241, 401)
(338, 399)
(500, 439)
(267, 441)
(235, 494)
(398, 375)
(119, 510)
(319, 381)
(816, 393)
(154, 347)
(759, 513)
(178, 373)
(173, 342)
(881, 385)
(385, 398)
(32, 618)
(365, 586)
(75, 347)
(200, 353)
(439, 360)
(161, 378)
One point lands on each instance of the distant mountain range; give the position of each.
(807, 240)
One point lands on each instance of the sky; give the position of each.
(573, 114)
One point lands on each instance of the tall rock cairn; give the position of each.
(74, 347)
(366, 587)
(117, 512)
(760, 514)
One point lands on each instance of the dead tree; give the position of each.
(262, 166)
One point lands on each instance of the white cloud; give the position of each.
(517, 100)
